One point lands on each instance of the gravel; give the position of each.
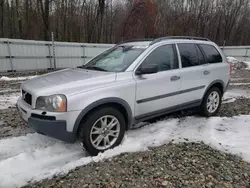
(14, 85)
(241, 74)
(29, 73)
(239, 107)
(172, 165)
(11, 125)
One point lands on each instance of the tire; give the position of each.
(204, 109)
(88, 134)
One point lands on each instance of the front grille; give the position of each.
(27, 97)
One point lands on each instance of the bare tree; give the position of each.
(111, 20)
(45, 9)
(2, 13)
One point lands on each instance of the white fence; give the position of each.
(24, 55)
(239, 52)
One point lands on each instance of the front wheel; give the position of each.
(211, 102)
(103, 129)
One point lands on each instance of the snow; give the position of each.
(239, 79)
(8, 90)
(5, 78)
(232, 60)
(239, 84)
(231, 95)
(236, 93)
(248, 64)
(229, 100)
(237, 62)
(8, 100)
(34, 157)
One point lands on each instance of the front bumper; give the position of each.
(54, 125)
(52, 128)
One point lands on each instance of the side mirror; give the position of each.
(147, 69)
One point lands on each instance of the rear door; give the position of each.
(216, 68)
(193, 75)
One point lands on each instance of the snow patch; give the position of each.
(8, 100)
(8, 90)
(5, 78)
(231, 100)
(232, 60)
(248, 65)
(232, 95)
(239, 84)
(237, 64)
(236, 93)
(34, 157)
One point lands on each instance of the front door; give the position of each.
(158, 92)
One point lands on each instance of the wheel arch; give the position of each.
(117, 103)
(217, 83)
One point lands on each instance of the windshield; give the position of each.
(117, 59)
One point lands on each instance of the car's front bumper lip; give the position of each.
(52, 128)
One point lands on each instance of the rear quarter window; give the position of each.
(212, 54)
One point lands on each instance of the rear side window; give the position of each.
(212, 54)
(189, 55)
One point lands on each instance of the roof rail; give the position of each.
(179, 37)
(137, 40)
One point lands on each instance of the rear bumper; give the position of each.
(52, 128)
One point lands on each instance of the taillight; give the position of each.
(231, 68)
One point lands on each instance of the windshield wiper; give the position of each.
(92, 68)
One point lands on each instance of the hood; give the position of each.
(68, 81)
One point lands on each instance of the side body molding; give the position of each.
(103, 102)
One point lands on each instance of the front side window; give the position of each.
(213, 56)
(117, 59)
(189, 55)
(165, 57)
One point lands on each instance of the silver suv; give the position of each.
(132, 82)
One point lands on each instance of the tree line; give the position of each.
(110, 21)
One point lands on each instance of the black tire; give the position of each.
(88, 123)
(203, 108)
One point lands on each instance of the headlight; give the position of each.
(53, 103)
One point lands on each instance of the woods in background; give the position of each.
(110, 21)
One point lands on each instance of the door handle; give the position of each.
(175, 78)
(206, 72)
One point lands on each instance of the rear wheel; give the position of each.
(103, 129)
(211, 102)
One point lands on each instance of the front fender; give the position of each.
(103, 102)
